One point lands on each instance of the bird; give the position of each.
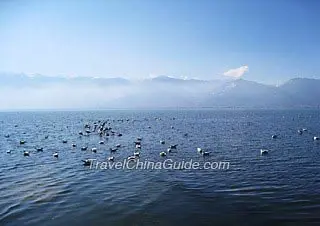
(111, 159)
(137, 142)
(55, 155)
(200, 150)
(84, 148)
(64, 141)
(8, 151)
(39, 149)
(136, 154)
(101, 142)
(316, 138)
(162, 142)
(26, 153)
(74, 145)
(22, 142)
(94, 150)
(174, 146)
(86, 162)
(206, 153)
(113, 149)
(274, 136)
(264, 151)
(163, 154)
(118, 145)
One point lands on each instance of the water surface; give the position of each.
(282, 187)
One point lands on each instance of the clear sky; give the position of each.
(276, 39)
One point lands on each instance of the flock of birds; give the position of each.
(300, 131)
(103, 130)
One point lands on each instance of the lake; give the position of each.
(281, 187)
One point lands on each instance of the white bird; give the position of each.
(200, 150)
(101, 142)
(316, 138)
(162, 142)
(137, 154)
(118, 145)
(137, 142)
(74, 145)
(8, 151)
(113, 149)
(26, 153)
(138, 146)
(169, 150)
(86, 162)
(111, 159)
(264, 151)
(55, 155)
(206, 153)
(94, 150)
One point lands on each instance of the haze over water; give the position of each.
(279, 188)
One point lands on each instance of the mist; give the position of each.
(87, 93)
(143, 94)
(60, 96)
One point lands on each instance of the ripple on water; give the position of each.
(278, 188)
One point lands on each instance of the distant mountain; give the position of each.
(162, 91)
(302, 91)
(172, 80)
(23, 80)
(244, 94)
(173, 92)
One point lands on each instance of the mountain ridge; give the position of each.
(161, 78)
(157, 92)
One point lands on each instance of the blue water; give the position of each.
(280, 188)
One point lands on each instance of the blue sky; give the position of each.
(278, 40)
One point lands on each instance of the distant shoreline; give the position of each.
(166, 109)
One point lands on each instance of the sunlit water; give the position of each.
(282, 187)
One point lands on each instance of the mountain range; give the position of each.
(158, 92)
